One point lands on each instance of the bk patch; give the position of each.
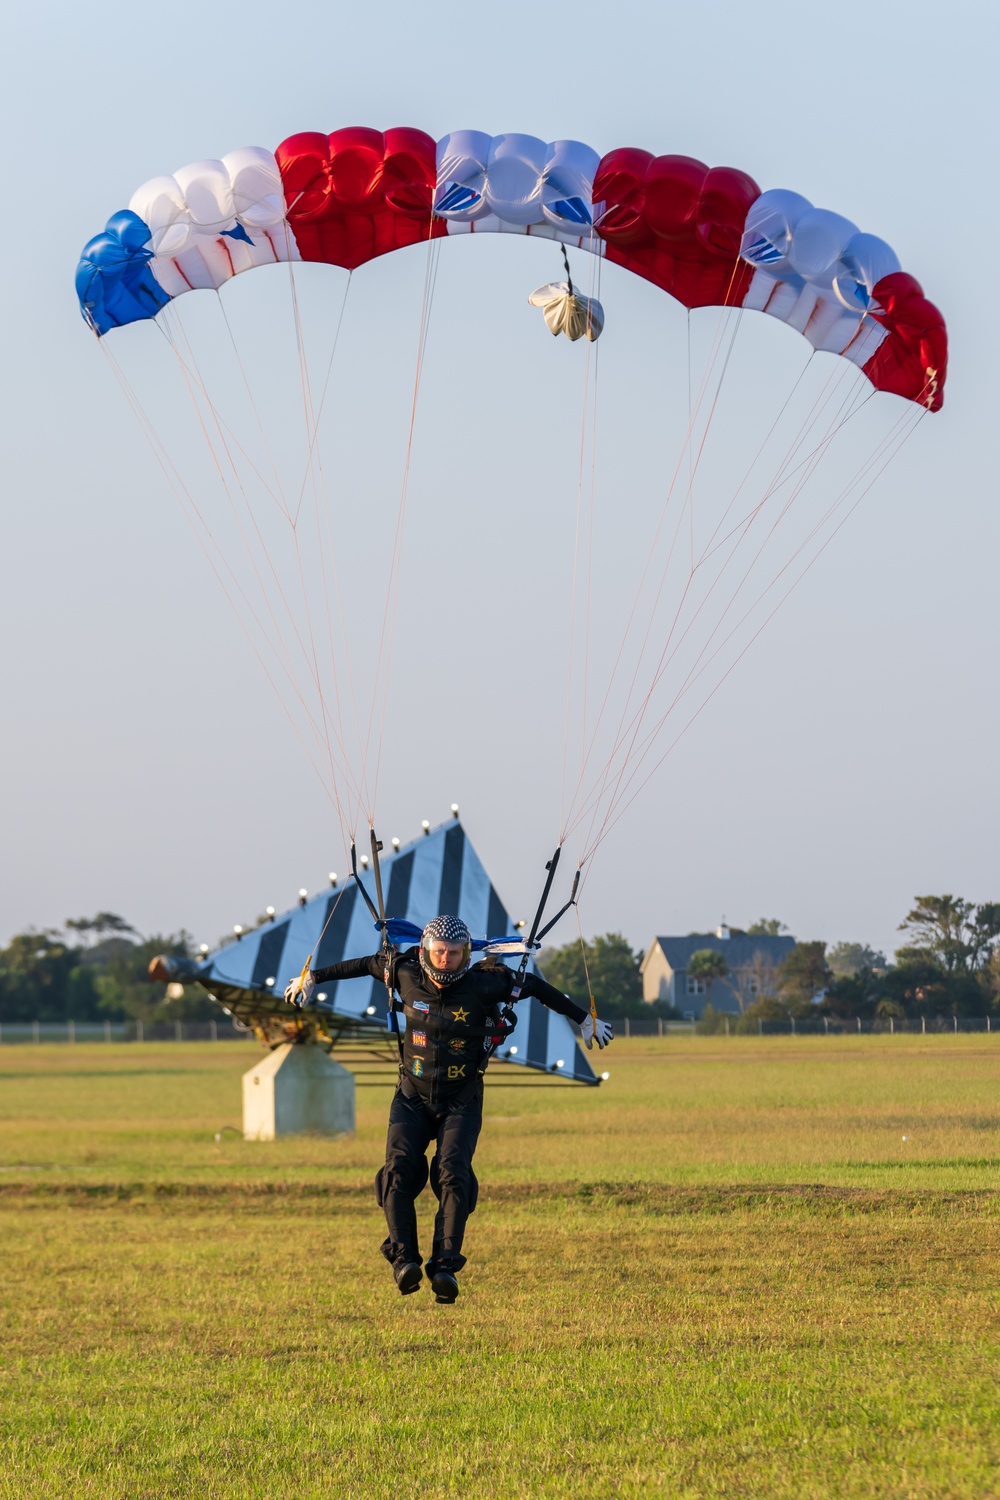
(456, 1072)
(417, 1066)
(419, 1038)
(456, 1044)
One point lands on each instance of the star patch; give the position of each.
(461, 1014)
(419, 1038)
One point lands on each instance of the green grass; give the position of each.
(724, 1273)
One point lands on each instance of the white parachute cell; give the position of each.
(213, 219)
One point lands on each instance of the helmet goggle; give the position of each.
(445, 949)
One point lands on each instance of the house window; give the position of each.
(695, 986)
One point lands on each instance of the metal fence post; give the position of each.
(727, 1026)
(107, 1031)
(659, 1026)
(793, 1025)
(213, 1031)
(627, 1032)
(826, 1025)
(859, 1026)
(923, 1025)
(955, 1019)
(138, 1031)
(988, 1027)
(71, 1031)
(34, 1031)
(760, 1027)
(892, 1027)
(178, 1035)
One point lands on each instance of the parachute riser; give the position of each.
(537, 932)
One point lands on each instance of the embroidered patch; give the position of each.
(460, 1014)
(418, 1038)
(421, 1005)
(456, 1044)
(417, 1066)
(456, 1072)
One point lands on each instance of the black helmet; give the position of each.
(441, 933)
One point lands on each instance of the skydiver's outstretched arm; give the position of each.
(299, 990)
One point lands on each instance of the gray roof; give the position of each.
(740, 950)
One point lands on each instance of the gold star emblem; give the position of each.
(460, 1014)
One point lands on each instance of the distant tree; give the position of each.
(850, 958)
(104, 924)
(961, 937)
(708, 965)
(613, 968)
(41, 980)
(757, 980)
(802, 976)
(764, 1011)
(766, 927)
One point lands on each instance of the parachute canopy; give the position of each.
(707, 236)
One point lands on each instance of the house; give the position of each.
(752, 963)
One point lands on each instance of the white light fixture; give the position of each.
(332, 877)
(560, 1063)
(370, 1011)
(303, 896)
(269, 981)
(395, 845)
(364, 861)
(202, 947)
(512, 1051)
(321, 995)
(454, 809)
(269, 911)
(519, 925)
(238, 930)
(426, 826)
(605, 1077)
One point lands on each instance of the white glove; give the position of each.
(599, 1032)
(299, 991)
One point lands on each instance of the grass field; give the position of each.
(726, 1272)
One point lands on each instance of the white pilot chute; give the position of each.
(565, 311)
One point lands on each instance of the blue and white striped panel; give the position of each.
(438, 872)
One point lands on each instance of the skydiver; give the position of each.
(451, 1010)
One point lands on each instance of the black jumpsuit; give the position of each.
(440, 1094)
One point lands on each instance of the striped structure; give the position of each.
(437, 873)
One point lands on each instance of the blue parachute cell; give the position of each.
(114, 281)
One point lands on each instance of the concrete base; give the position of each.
(297, 1088)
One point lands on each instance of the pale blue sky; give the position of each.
(847, 764)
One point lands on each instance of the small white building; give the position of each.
(752, 963)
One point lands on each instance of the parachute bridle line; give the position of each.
(669, 653)
(200, 531)
(894, 446)
(193, 381)
(392, 588)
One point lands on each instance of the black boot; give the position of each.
(408, 1277)
(444, 1286)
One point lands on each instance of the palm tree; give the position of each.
(708, 964)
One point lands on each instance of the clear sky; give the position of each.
(849, 761)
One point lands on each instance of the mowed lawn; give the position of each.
(760, 1267)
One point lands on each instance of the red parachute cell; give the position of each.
(677, 223)
(358, 193)
(913, 360)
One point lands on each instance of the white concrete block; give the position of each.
(297, 1087)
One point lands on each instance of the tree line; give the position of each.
(947, 965)
(94, 968)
